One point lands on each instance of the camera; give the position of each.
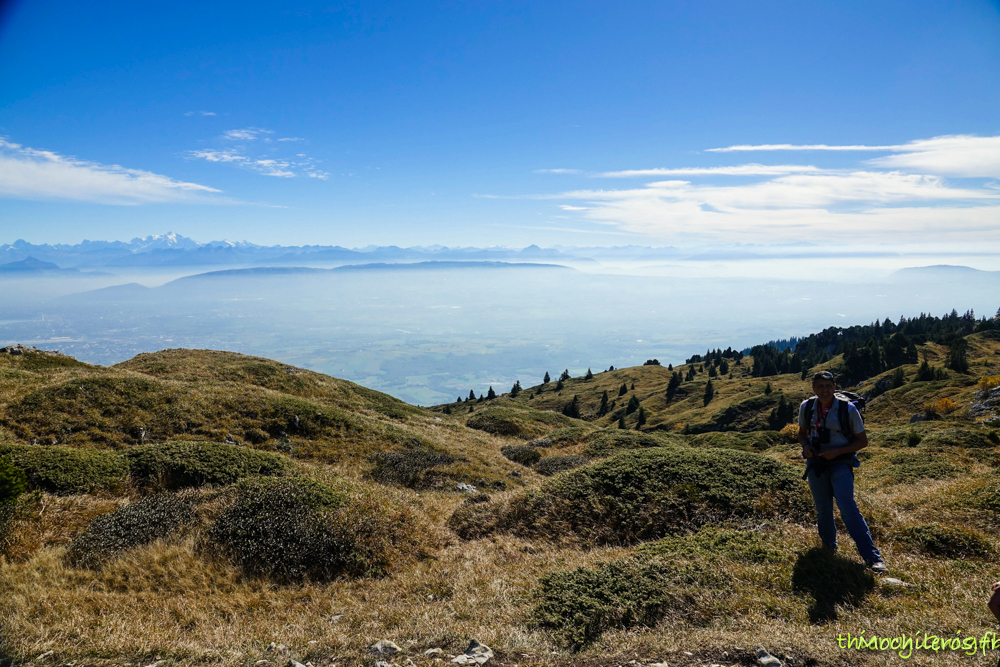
(822, 436)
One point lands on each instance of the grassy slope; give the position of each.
(165, 600)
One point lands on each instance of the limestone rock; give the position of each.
(384, 647)
(476, 653)
(466, 488)
(765, 659)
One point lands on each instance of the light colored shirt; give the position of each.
(837, 436)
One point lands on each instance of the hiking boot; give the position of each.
(878, 567)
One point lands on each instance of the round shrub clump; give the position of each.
(951, 542)
(177, 465)
(152, 518)
(552, 465)
(609, 441)
(67, 470)
(293, 529)
(646, 494)
(522, 454)
(13, 482)
(412, 468)
(496, 421)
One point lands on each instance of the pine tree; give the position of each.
(633, 405)
(491, 394)
(670, 367)
(459, 400)
(546, 379)
(633, 386)
(673, 386)
(712, 372)
(958, 359)
(925, 373)
(565, 375)
(690, 374)
(898, 378)
(470, 408)
(621, 422)
(724, 367)
(611, 368)
(447, 410)
(642, 419)
(472, 395)
(516, 389)
(709, 392)
(623, 390)
(603, 410)
(767, 389)
(559, 386)
(572, 409)
(589, 376)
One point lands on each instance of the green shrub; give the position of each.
(986, 497)
(552, 465)
(13, 482)
(581, 604)
(753, 441)
(67, 470)
(412, 468)
(292, 529)
(609, 441)
(510, 421)
(522, 454)
(940, 541)
(495, 421)
(176, 465)
(907, 468)
(646, 494)
(566, 436)
(152, 518)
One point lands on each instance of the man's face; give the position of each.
(824, 390)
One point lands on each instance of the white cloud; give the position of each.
(557, 171)
(963, 155)
(738, 170)
(291, 139)
(566, 207)
(246, 134)
(797, 147)
(27, 173)
(199, 113)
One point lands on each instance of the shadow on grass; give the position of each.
(831, 580)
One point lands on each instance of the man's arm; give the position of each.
(807, 451)
(857, 443)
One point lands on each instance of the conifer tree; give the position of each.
(611, 368)
(673, 386)
(572, 409)
(724, 367)
(447, 410)
(670, 367)
(459, 400)
(898, 378)
(559, 386)
(470, 408)
(491, 395)
(633, 405)
(925, 373)
(712, 372)
(516, 389)
(621, 422)
(958, 359)
(642, 418)
(546, 379)
(623, 390)
(633, 386)
(709, 392)
(767, 389)
(565, 375)
(589, 376)
(690, 374)
(472, 395)
(603, 410)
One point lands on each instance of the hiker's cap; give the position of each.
(823, 375)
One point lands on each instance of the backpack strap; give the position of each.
(844, 417)
(810, 404)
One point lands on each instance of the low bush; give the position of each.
(566, 436)
(13, 482)
(66, 470)
(907, 468)
(293, 529)
(646, 494)
(941, 541)
(152, 518)
(412, 468)
(522, 454)
(496, 421)
(579, 605)
(942, 406)
(716, 543)
(176, 465)
(753, 441)
(609, 441)
(790, 433)
(510, 421)
(552, 465)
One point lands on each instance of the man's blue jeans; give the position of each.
(837, 482)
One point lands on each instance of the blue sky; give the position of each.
(502, 123)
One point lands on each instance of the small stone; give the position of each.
(476, 653)
(384, 647)
(466, 488)
(688, 654)
(336, 617)
(259, 663)
(295, 663)
(892, 581)
(765, 659)
(382, 663)
(271, 647)
(45, 655)
(431, 652)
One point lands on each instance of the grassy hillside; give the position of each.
(192, 507)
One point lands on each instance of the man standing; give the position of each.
(829, 446)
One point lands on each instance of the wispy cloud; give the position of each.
(258, 157)
(949, 155)
(557, 171)
(903, 194)
(246, 134)
(28, 173)
(739, 170)
(199, 113)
